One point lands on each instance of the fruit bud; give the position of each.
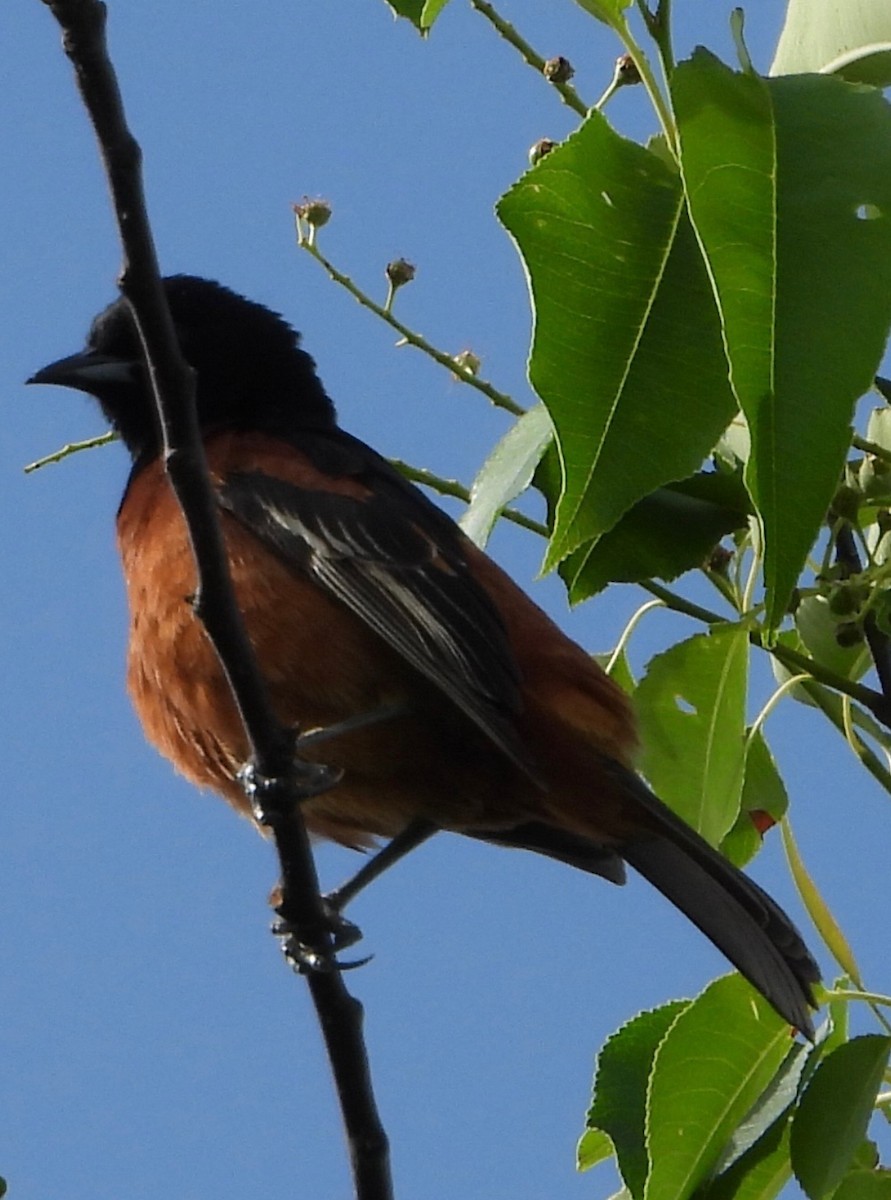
(558, 70)
(400, 272)
(537, 152)
(626, 70)
(314, 212)
(469, 361)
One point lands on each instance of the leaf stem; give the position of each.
(852, 994)
(628, 630)
(773, 701)
(462, 373)
(567, 92)
(680, 604)
(658, 25)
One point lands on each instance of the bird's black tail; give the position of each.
(736, 914)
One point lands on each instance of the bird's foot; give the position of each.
(318, 953)
(272, 798)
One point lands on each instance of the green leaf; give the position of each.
(818, 910)
(421, 13)
(668, 532)
(691, 708)
(789, 187)
(431, 10)
(777, 1098)
(728, 164)
(627, 352)
(865, 1185)
(618, 1107)
(594, 1147)
(758, 1153)
(833, 305)
(610, 12)
(713, 1065)
(761, 1173)
(852, 39)
(507, 472)
(817, 627)
(835, 1109)
(620, 670)
(764, 796)
(412, 10)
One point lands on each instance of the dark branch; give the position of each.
(278, 780)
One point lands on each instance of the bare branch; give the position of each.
(278, 780)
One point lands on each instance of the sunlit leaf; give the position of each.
(506, 472)
(611, 12)
(852, 39)
(691, 707)
(712, 1066)
(627, 352)
(618, 1107)
(594, 1147)
(789, 187)
(818, 910)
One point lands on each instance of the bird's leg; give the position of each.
(412, 836)
(350, 724)
(344, 932)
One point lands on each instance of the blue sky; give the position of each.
(153, 1042)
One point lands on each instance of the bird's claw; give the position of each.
(307, 779)
(305, 957)
(309, 960)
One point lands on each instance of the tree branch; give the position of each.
(462, 373)
(276, 779)
(567, 92)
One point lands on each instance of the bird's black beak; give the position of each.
(87, 371)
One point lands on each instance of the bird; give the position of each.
(447, 699)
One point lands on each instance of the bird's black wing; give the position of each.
(395, 561)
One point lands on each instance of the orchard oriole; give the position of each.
(361, 597)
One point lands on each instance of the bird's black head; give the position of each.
(250, 373)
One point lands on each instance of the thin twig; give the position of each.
(462, 373)
(451, 487)
(71, 448)
(567, 92)
(283, 781)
